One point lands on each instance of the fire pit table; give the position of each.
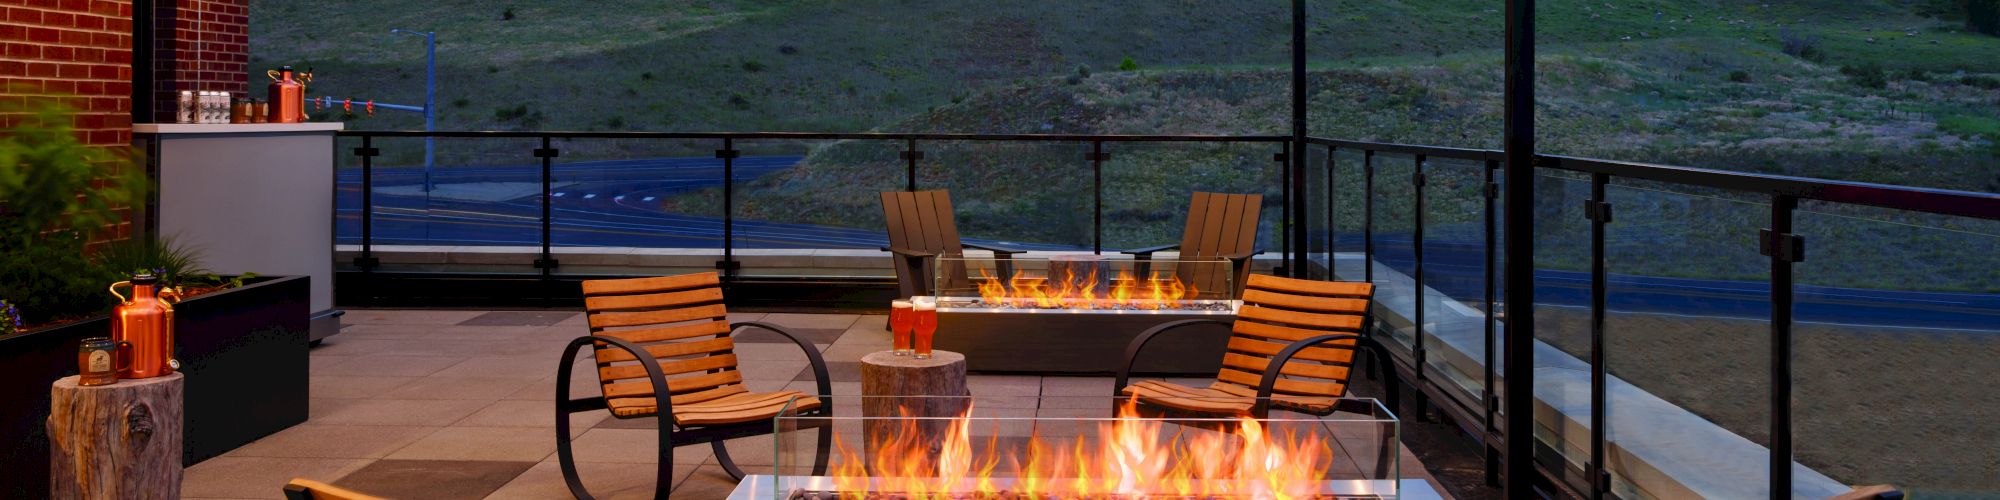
(1078, 315)
(1087, 447)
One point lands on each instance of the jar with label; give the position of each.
(259, 110)
(96, 361)
(239, 110)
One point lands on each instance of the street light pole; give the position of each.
(430, 99)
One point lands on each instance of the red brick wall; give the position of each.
(78, 49)
(199, 45)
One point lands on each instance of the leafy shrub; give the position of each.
(1128, 64)
(53, 280)
(1073, 79)
(460, 102)
(1739, 76)
(173, 263)
(1083, 70)
(510, 114)
(753, 66)
(1981, 81)
(507, 15)
(1799, 45)
(59, 192)
(1917, 75)
(738, 100)
(646, 76)
(1867, 75)
(787, 49)
(615, 123)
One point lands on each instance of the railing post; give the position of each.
(1598, 211)
(1297, 166)
(728, 155)
(1284, 160)
(367, 261)
(1417, 276)
(1097, 157)
(1518, 139)
(910, 156)
(1490, 399)
(1784, 248)
(1332, 232)
(548, 155)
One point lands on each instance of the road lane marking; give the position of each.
(648, 198)
(559, 195)
(589, 196)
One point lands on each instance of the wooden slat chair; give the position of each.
(307, 489)
(1308, 328)
(1218, 226)
(663, 349)
(920, 231)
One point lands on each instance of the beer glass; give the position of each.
(926, 316)
(900, 323)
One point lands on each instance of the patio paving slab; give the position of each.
(434, 479)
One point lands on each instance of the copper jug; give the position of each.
(144, 328)
(287, 95)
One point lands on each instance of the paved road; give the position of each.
(616, 203)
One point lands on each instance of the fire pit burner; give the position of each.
(1013, 495)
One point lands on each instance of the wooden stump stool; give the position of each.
(115, 441)
(886, 374)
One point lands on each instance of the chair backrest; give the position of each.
(922, 220)
(680, 321)
(1278, 311)
(1219, 225)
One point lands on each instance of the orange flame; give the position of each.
(1127, 457)
(1084, 292)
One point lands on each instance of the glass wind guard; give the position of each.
(1079, 447)
(1085, 282)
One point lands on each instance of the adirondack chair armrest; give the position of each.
(998, 251)
(813, 357)
(909, 253)
(1147, 253)
(1139, 343)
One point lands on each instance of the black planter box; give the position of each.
(243, 351)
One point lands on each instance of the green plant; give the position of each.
(10, 319)
(1128, 64)
(1083, 70)
(173, 263)
(1739, 76)
(507, 15)
(753, 66)
(59, 193)
(1867, 75)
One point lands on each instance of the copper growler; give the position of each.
(287, 95)
(143, 327)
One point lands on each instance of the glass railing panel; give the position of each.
(1349, 218)
(1454, 274)
(1686, 341)
(1897, 326)
(1148, 185)
(1562, 330)
(636, 206)
(814, 207)
(473, 196)
(1019, 194)
(1395, 199)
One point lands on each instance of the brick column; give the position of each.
(199, 45)
(80, 50)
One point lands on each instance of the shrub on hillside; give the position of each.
(1128, 64)
(1868, 75)
(1800, 45)
(1739, 76)
(753, 66)
(1981, 81)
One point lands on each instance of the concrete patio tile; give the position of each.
(530, 414)
(770, 352)
(441, 386)
(771, 370)
(408, 316)
(515, 367)
(1004, 385)
(633, 446)
(507, 444)
(582, 384)
(842, 390)
(869, 337)
(754, 453)
(354, 386)
(848, 353)
(413, 412)
(873, 322)
(392, 366)
(259, 477)
(709, 482)
(433, 479)
(520, 318)
(1076, 386)
(837, 371)
(738, 317)
(311, 440)
(816, 321)
(604, 480)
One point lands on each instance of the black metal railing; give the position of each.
(1482, 410)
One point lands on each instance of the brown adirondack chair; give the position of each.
(306, 489)
(1218, 226)
(1310, 329)
(663, 349)
(920, 231)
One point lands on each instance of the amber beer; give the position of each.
(900, 322)
(926, 316)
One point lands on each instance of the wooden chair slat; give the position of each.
(766, 412)
(642, 387)
(651, 285)
(1269, 349)
(707, 395)
(1296, 318)
(1254, 364)
(660, 334)
(1211, 229)
(668, 367)
(1247, 223)
(927, 221)
(653, 300)
(1252, 329)
(670, 350)
(1197, 216)
(1305, 303)
(947, 229)
(1310, 287)
(663, 316)
(1284, 385)
(892, 216)
(1232, 223)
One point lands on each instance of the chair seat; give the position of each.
(732, 409)
(1222, 399)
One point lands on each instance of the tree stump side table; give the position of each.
(886, 374)
(115, 441)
